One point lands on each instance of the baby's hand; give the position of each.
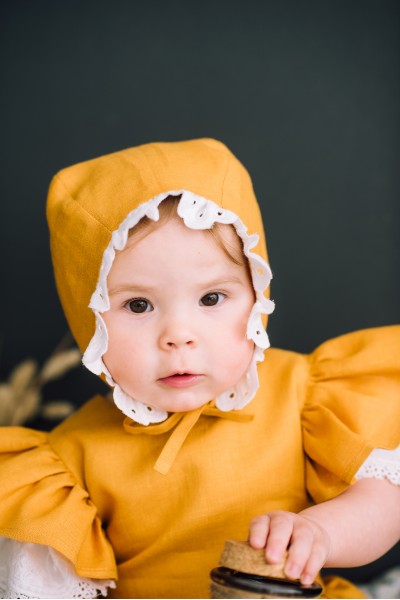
(305, 540)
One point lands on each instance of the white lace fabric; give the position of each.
(381, 464)
(34, 571)
(200, 214)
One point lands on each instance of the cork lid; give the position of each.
(245, 568)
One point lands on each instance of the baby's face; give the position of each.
(178, 316)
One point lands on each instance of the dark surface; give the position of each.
(305, 93)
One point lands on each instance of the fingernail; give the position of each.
(273, 557)
(293, 571)
(307, 580)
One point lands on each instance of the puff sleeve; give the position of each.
(42, 503)
(351, 407)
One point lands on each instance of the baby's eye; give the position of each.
(139, 305)
(212, 299)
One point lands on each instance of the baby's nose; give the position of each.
(177, 335)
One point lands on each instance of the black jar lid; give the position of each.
(264, 585)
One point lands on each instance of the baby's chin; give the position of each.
(183, 401)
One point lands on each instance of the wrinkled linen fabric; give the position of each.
(90, 490)
(35, 571)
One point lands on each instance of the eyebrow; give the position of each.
(137, 288)
(129, 287)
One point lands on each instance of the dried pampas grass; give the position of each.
(21, 397)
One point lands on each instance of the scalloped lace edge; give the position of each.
(381, 464)
(34, 571)
(197, 213)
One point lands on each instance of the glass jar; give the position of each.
(229, 583)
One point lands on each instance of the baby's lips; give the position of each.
(181, 380)
(178, 372)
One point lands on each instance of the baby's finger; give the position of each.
(300, 550)
(314, 564)
(258, 531)
(280, 532)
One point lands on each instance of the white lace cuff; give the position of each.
(381, 464)
(34, 571)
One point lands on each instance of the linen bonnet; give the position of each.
(92, 205)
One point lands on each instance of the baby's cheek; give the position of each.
(237, 356)
(118, 355)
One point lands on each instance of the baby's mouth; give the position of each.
(181, 380)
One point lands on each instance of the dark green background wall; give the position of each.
(306, 93)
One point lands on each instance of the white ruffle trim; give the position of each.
(34, 571)
(197, 213)
(381, 464)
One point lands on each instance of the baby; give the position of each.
(164, 284)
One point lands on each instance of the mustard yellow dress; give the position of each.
(89, 488)
(151, 505)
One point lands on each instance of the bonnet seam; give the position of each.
(151, 168)
(94, 217)
(127, 160)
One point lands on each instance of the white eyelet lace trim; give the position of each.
(34, 571)
(381, 464)
(197, 213)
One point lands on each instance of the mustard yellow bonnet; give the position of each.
(92, 204)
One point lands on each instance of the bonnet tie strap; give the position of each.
(183, 423)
